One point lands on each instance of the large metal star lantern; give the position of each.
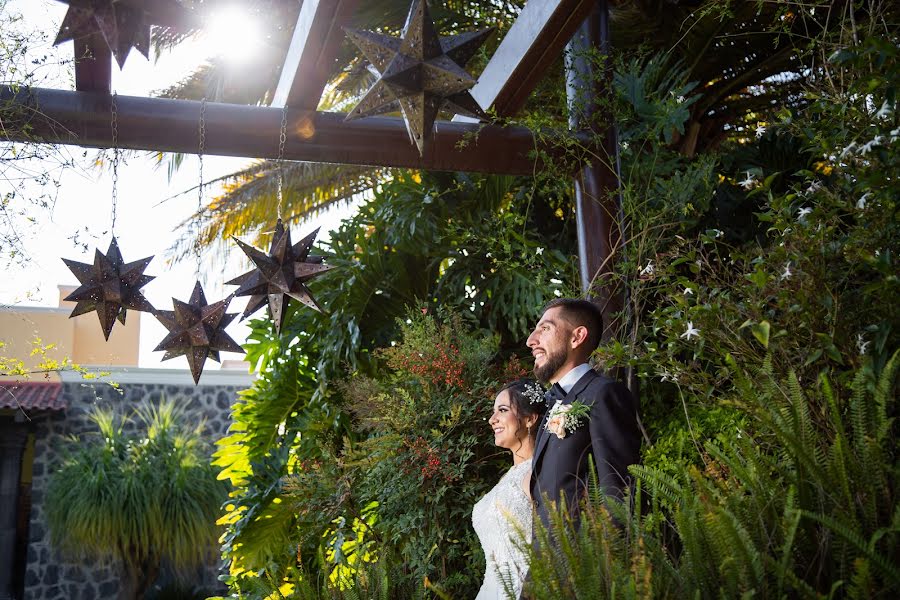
(420, 71)
(124, 24)
(197, 330)
(279, 275)
(109, 286)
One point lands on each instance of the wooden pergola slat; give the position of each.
(93, 64)
(317, 37)
(83, 119)
(534, 41)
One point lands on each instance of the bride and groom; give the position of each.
(551, 435)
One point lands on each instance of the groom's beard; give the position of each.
(552, 364)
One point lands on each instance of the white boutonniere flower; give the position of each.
(566, 418)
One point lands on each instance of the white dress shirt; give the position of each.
(568, 381)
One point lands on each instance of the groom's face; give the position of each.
(549, 344)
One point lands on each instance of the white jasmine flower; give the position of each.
(814, 187)
(688, 291)
(787, 273)
(895, 134)
(748, 182)
(539, 251)
(691, 331)
(861, 203)
(861, 344)
(802, 213)
(760, 130)
(867, 147)
(848, 151)
(648, 270)
(666, 376)
(488, 255)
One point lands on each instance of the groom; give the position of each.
(561, 343)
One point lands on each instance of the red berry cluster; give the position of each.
(442, 366)
(425, 459)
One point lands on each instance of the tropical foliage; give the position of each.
(139, 495)
(761, 207)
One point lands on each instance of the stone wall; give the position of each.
(52, 576)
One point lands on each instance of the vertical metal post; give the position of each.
(597, 199)
(12, 446)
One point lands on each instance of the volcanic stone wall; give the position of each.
(51, 575)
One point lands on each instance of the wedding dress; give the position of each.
(499, 519)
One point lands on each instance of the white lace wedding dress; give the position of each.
(500, 518)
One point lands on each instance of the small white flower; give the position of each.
(861, 344)
(787, 273)
(802, 213)
(680, 99)
(848, 151)
(867, 147)
(488, 255)
(666, 376)
(539, 251)
(895, 134)
(691, 331)
(648, 270)
(718, 233)
(760, 130)
(861, 203)
(748, 182)
(814, 187)
(688, 291)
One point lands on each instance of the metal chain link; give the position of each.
(198, 220)
(114, 125)
(282, 138)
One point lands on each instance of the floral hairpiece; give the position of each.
(534, 392)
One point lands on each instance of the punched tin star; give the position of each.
(109, 286)
(420, 71)
(279, 275)
(124, 24)
(197, 330)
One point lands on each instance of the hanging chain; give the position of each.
(114, 125)
(282, 138)
(198, 219)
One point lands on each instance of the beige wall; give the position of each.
(79, 339)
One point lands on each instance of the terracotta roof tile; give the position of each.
(32, 395)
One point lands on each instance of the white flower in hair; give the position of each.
(534, 393)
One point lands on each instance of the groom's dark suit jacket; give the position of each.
(611, 436)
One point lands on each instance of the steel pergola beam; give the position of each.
(535, 40)
(160, 124)
(316, 40)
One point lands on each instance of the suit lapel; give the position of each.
(543, 434)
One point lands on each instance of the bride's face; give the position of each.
(508, 431)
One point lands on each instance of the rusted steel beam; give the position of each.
(534, 41)
(83, 119)
(597, 200)
(317, 38)
(93, 64)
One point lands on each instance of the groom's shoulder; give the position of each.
(598, 383)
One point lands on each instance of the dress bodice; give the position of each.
(500, 519)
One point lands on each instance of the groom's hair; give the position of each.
(581, 313)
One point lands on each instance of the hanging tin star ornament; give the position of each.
(420, 71)
(197, 330)
(109, 286)
(280, 275)
(124, 24)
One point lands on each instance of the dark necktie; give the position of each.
(554, 394)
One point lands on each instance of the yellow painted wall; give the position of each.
(80, 339)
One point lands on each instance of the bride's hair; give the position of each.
(527, 399)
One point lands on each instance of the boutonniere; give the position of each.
(566, 418)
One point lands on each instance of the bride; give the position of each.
(504, 513)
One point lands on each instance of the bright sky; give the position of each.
(142, 228)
